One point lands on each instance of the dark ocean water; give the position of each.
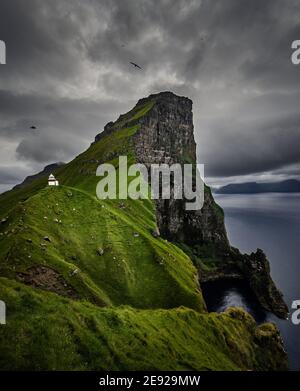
(272, 222)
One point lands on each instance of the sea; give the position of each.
(270, 221)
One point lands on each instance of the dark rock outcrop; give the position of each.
(257, 269)
(43, 277)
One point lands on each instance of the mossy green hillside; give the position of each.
(135, 268)
(106, 252)
(47, 332)
(81, 171)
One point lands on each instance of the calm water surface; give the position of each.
(270, 221)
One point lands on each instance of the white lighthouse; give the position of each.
(52, 181)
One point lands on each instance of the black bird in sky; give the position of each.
(32, 127)
(135, 65)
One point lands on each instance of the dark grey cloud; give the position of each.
(263, 146)
(63, 125)
(68, 72)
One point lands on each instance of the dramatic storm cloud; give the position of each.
(68, 74)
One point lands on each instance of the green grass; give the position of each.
(47, 332)
(81, 171)
(133, 115)
(142, 271)
(139, 304)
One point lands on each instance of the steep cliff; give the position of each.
(90, 284)
(166, 135)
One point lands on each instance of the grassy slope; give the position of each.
(53, 332)
(142, 271)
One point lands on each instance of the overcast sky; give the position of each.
(68, 73)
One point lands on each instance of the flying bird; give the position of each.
(32, 127)
(135, 65)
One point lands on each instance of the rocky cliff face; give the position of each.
(166, 135)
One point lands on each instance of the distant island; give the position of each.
(287, 186)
